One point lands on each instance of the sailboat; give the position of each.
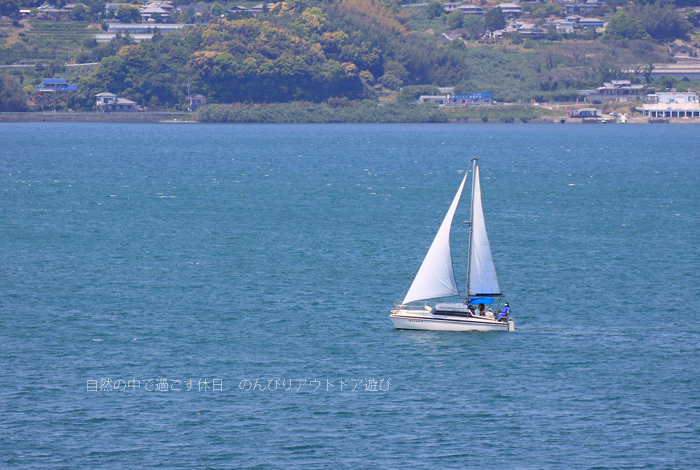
(435, 279)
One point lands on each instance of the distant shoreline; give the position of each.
(97, 117)
(178, 118)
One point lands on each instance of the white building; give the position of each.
(439, 99)
(585, 113)
(103, 99)
(110, 102)
(671, 105)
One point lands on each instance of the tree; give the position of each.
(88, 42)
(455, 19)
(458, 44)
(516, 38)
(78, 13)
(494, 19)
(367, 77)
(133, 56)
(661, 20)
(474, 24)
(296, 54)
(552, 34)
(96, 9)
(395, 68)
(647, 72)
(187, 16)
(391, 81)
(128, 14)
(9, 8)
(112, 71)
(217, 9)
(12, 95)
(434, 9)
(548, 9)
(622, 27)
(414, 92)
(577, 51)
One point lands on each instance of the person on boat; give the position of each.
(482, 308)
(504, 313)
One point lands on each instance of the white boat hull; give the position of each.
(409, 321)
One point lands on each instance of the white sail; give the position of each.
(436, 277)
(482, 272)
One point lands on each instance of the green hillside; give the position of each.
(296, 52)
(308, 51)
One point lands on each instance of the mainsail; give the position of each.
(481, 278)
(436, 277)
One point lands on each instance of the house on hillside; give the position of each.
(261, 7)
(240, 11)
(196, 101)
(530, 30)
(466, 8)
(109, 102)
(103, 99)
(573, 22)
(147, 13)
(510, 11)
(618, 89)
(163, 9)
(583, 7)
(195, 8)
(56, 85)
(680, 50)
(51, 10)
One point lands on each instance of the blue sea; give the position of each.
(217, 296)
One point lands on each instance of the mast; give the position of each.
(471, 229)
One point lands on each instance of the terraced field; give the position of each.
(57, 35)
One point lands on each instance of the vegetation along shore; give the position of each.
(351, 61)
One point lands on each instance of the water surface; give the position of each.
(142, 252)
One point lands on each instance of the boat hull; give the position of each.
(448, 323)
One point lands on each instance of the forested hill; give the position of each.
(298, 51)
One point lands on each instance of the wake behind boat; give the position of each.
(436, 279)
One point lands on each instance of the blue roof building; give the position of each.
(478, 98)
(487, 95)
(57, 85)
